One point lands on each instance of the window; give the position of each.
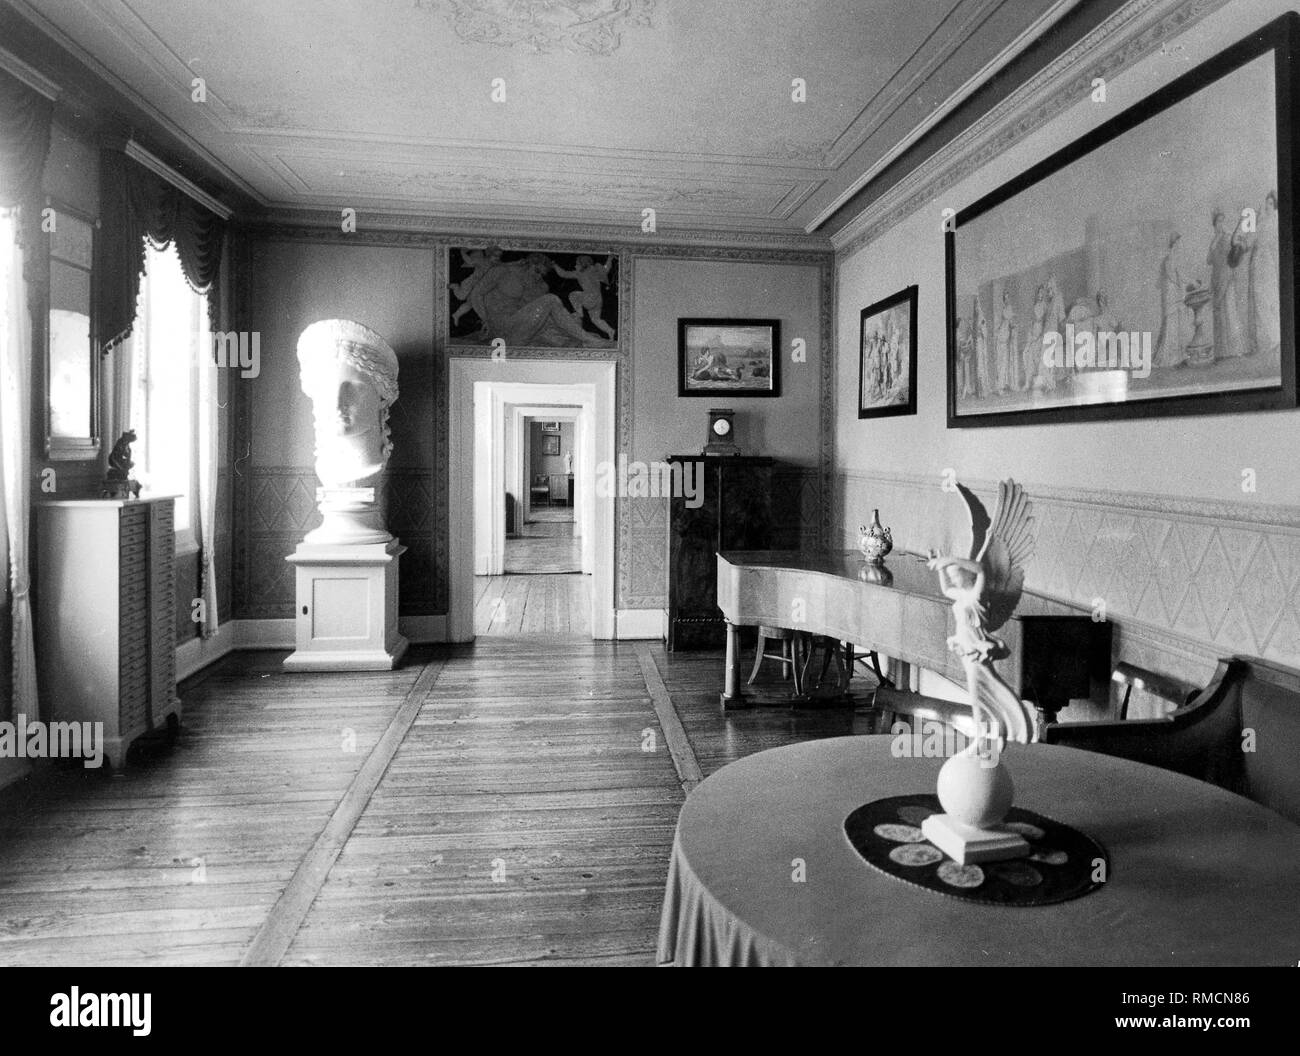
(170, 334)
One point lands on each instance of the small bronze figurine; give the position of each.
(117, 481)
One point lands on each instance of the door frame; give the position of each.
(476, 381)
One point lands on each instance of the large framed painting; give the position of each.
(1147, 269)
(731, 357)
(531, 299)
(887, 356)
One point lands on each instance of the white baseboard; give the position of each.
(194, 654)
(633, 624)
(267, 634)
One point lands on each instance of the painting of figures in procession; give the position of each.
(1141, 271)
(531, 299)
(887, 356)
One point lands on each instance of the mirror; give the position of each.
(72, 367)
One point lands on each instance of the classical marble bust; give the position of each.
(350, 374)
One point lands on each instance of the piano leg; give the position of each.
(731, 695)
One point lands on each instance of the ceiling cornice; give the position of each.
(51, 32)
(999, 62)
(421, 229)
(1138, 29)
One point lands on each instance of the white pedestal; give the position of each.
(346, 607)
(966, 844)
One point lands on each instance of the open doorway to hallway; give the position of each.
(533, 510)
(542, 533)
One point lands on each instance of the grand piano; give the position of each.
(1058, 652)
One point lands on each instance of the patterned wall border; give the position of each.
(1185, 581)
(1144, 26)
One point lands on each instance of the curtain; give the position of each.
(208, 431)
(15, 455)
(136, 204)
(24, 143)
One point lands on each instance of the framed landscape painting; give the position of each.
(1147, 269)
(728, 357)
(887, 356)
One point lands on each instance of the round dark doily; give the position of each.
(1063, 863)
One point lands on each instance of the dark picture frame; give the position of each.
(887, 356)
(550, 444)
(532, 298)
(728, 357)
(1250, 365)
(70, 377)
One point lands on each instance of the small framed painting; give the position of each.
(887, 356)
(551, 427)
(550, 445)
(733, 357)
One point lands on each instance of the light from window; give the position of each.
(171, 332)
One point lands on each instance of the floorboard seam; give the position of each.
(277, 932)
(679, 744)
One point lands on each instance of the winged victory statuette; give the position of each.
(985, 589)
(974, 787)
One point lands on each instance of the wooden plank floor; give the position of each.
(514, 605)
(519, 821)
(694, 680)
(178, 859)
(544, 545)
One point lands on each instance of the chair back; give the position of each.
(1269, 705)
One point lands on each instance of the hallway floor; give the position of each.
(533, 604)
(545, 545)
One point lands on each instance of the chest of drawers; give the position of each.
(106, 616)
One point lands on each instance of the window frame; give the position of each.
(140, 359)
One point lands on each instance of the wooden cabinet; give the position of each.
(734, 510)
(106, 616)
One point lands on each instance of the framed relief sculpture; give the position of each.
(736, 357)
(532, 299)
(887, 356)
(1147, 269)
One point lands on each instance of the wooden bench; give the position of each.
(1242, 732)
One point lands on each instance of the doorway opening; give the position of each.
(543, 536)
(531, 541)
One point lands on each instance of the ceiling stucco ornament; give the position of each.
(593, 26)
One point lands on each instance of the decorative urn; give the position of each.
(874, 540)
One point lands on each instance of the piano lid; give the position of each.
(908, 573)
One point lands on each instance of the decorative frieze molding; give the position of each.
(1136, 30)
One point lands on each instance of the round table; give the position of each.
(1198, 875)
